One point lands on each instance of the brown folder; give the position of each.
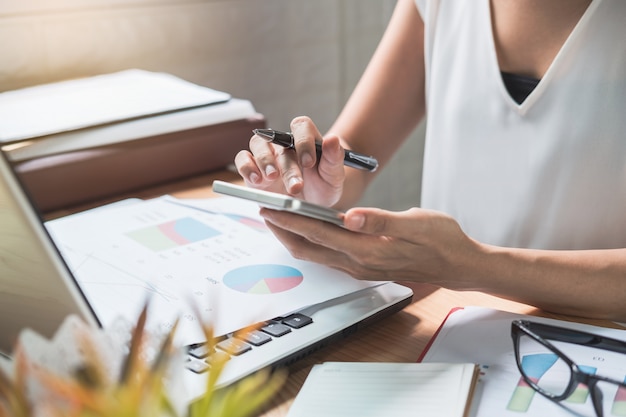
(83, 176)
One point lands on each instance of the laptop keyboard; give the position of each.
(200, 357)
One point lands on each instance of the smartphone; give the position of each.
(280, 202)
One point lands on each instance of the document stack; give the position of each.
(88, 139)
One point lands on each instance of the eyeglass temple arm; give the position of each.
(577, 337)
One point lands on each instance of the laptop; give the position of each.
(38, 290)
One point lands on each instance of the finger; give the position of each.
(289, 171)
(356, 254)
(277, 161)
(404, 224)
(305, 135)
(247, 168)
(317, 232)
(331, 163)
(265, 156)
(301, 248)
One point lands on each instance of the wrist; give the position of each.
(471, 269)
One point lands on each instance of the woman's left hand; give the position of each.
(414, 245)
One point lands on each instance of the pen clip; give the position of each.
(356, 160)
(284, 139)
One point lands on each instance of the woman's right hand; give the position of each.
(298, 173)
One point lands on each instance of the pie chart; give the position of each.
(263, 279)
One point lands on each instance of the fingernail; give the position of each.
(270, 170)
(356, 221)
(307, 160)
(254, 178)
(293, 181)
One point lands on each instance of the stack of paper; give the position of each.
(88, 139)
(111, 108)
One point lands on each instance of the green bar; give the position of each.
(521, 399)
(619, 408)
(579, 396)
(152, 238)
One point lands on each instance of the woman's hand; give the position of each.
(414, 245)
(274, 168)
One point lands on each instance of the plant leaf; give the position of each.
(130, 362)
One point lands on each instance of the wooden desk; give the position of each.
(399, 338)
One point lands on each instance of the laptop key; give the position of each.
(297, 320)
(275, 329)
(197, 366)
(217, 356)
(234, 346)
(200, 351)
(256, 338)
(243, 343)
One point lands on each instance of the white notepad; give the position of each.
(364, 389)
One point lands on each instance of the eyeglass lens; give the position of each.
(553, 375)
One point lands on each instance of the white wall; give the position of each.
(289, 57)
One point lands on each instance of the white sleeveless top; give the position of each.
(549, 173)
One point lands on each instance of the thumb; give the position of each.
(374, 221)
(331, 160)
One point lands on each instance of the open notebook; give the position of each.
(38, 290)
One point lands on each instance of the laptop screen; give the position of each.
(36, 289)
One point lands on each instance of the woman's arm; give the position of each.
(389, 100)
(385, 107)
(586, 283)
(427, 246)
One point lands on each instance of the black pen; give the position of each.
(351, 159)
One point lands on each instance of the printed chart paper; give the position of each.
(220, 258)
(483, 336)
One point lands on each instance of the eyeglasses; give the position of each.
(547, 370)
